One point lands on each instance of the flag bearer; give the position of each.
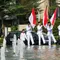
(49, 28)
(59, 30)
(40, 34)
(29, 35)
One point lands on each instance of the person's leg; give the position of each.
(28, 39)
(43, 38)
(39, 39)
(31, 38)
(49, 37)
(53, 38)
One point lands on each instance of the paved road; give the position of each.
(35, 53)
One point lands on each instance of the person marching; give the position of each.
(40, 34)
(59, 30)
(49, 28)
(28, 34)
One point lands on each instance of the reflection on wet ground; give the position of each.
(35, 53)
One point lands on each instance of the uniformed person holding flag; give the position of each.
(49, 28)
(40, 33)
(28, 34)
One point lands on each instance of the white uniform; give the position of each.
(40, 35)
(29, 35)
(50, 34)
(23, 36)
(59, 30)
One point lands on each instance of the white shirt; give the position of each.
(49, 29)
(23, 36)
(39, 28)
(28, 28)
(59, 27)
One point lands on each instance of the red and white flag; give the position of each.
(32, 18)
(45, 17)
(53, 18)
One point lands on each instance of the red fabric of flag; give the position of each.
(45, 17)
(32, 18)
(53, 18)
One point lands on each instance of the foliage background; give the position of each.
(22, 9)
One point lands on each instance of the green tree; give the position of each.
(22, 8)
(53, 6)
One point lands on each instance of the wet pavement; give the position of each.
(35, 53)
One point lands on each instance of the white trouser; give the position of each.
(59, 32)
(40, 35)
(29, 37)
(50, 35)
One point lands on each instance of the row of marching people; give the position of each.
(28, 34)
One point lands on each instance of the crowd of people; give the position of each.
(28, 34)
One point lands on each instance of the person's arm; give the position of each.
(25, 36)
(58, 27)
(46, 26)
(41, 26)
(51, 26)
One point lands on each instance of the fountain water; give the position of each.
(3, 49)
(4, 44)
(18, 46)
(21, 47)
(21, 53)
(2, 53)
(14, 44)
